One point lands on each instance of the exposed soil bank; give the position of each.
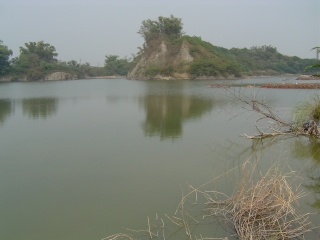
(307, 77)
(292, 85)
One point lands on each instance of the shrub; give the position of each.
(153, 70)
(156, 69)
(307, 111)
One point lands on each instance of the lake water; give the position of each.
(83, 159)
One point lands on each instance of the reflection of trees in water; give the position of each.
(165, 113)
(315, 188)
(310, 150)
(307, 149)
(39, 107)
(5, 109)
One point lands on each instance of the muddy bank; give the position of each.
(292, 85)
(307, 77)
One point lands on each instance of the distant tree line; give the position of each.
(37, 59)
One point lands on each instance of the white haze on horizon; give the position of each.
(89, 30)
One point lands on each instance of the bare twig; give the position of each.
(307, 128)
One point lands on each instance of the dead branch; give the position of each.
(309, 128)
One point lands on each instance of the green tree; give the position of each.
(85, 68)
(35, 60)
(116, 66)
(315, 65)
(43, 50)
(73, 63)
(5, 54)
(151, 29)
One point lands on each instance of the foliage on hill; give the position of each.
(267, 58)
(207, 60)
(210, 60)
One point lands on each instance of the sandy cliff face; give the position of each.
(161, 56)
(184, 54)
(58, 76)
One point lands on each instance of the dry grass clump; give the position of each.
(267, 209)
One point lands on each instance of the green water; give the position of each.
(82, 159)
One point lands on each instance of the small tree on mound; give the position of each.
(315, 65)
(151, 29)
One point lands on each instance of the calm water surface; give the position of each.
(82, 159)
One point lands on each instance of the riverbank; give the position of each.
(56, 76)
(105, 77)
(308, 77)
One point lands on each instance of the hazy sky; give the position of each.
(89, 30)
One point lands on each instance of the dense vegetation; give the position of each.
(36, 60)
(208, 61)
(116, 66)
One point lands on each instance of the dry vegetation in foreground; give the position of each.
(266, 209)
(263, 207)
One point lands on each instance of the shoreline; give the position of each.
(163, 78)
(7, 79)
(105, 77)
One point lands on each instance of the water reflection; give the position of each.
(315, 188)
(5, 109)
(307, 149)
(310, 149)
(39, 107)
(165, 113)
